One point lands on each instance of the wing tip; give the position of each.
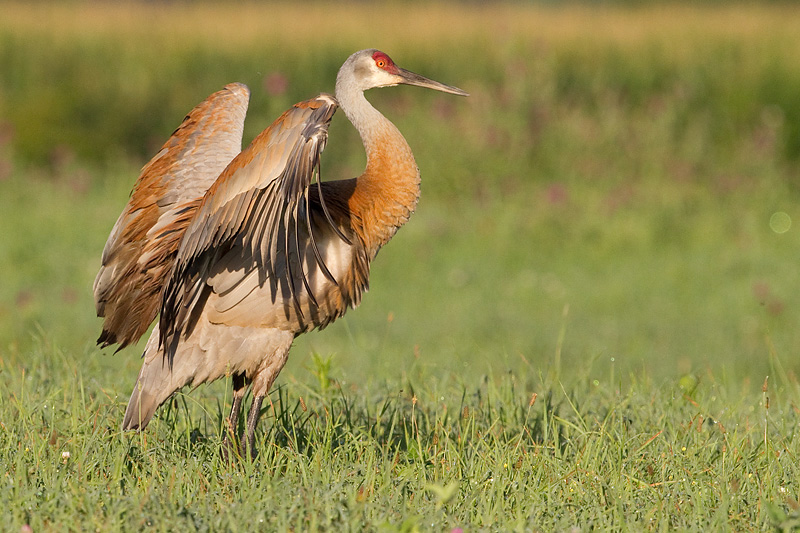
(239, 89)
(106, 338)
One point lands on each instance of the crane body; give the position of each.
(267, 252)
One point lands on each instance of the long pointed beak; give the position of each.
(410, 78)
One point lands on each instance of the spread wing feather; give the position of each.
(255, 210)
(140, 250)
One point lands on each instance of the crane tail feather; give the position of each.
(140, 410)
(158, 379)
(152, 388)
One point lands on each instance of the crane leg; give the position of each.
(249, 440)
(262, 380)
(240, 384)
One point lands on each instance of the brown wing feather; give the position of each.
(254, 211)
(140, 250)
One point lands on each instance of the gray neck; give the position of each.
(390, 182)
(368, 121)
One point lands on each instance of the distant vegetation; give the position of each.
(98, 81)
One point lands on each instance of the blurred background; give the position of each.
(617, 199)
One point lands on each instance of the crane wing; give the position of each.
(256, 209)
(138, 255)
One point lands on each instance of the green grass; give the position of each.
(428, 453)
(599, 231)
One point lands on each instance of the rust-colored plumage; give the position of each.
(138, 255)
(240, 263)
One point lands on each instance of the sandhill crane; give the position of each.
(240, 253)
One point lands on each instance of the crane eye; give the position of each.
(384, 62)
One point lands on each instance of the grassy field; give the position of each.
(589, 323)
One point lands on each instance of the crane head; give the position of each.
(371, 68)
